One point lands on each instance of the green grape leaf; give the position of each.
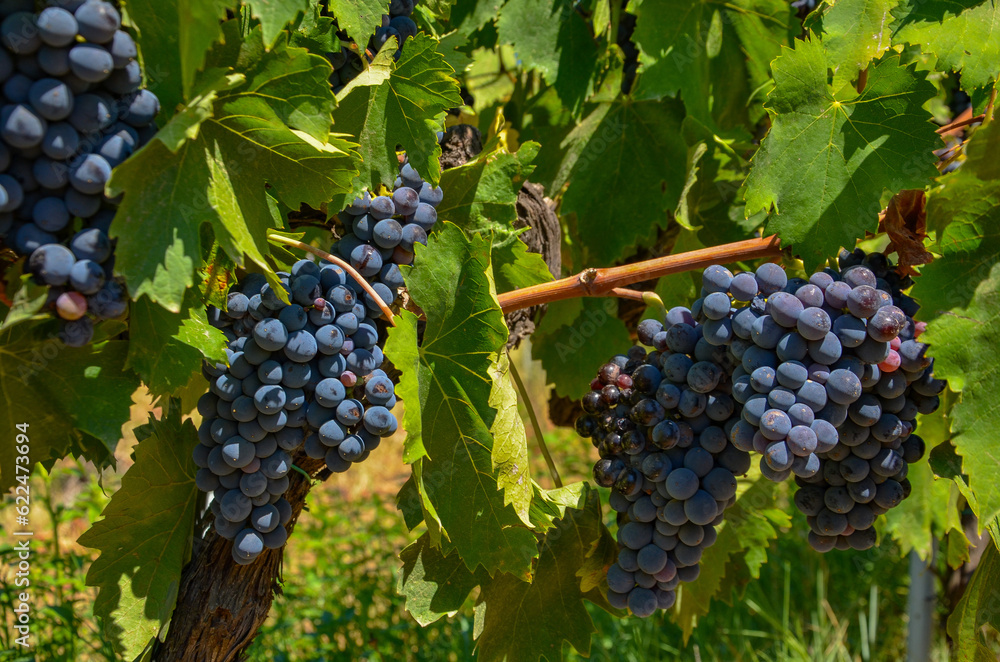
(219, 177)
(553, 39)
(174, 37)
(166, 349)
(518, 620)
(687, 46)
(452, 283)
(401, 104)
(70, 397)
(577, 337)
(744, 537)
(359, 18)
(623, 152)
(830, 154)
(401, 345)
(854, 32)
(947, 29)
(434, 585)
(510, 450)
(274, 15)
(961, 294)
(482, 197)
(150, 517)
(976, 611)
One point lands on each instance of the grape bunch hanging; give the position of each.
(306, 375)
(73, 108)
(822, 378)
(659, 422)
(347, 63)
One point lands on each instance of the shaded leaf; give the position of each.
(575, 338)
(621, 153)
(167, 349)
(977, 608)
(555, 40)
(359, 18)
(174, 36)
(274, 15)
(517, 620)
(144, 538)
(69, 396)
(434, 585)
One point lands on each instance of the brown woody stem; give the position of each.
(278, 239)
(601, 282)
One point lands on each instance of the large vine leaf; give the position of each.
(482, 197)
(625, 165)
(961, 291)
(977, 609)
(686, 46)
(465, 447)
(166, 349)
(575, 338)
(518, 620)
(399, 105)
(555, 40)
(831, 153)
(855, 32)
(744, 537)
(219, 176)
(174, 36)
(144, 537)
(68, 396)
(947, 29)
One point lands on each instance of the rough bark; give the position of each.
(222, 605)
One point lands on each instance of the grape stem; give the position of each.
(539, 438)
(288, 241)
(962, 122)
(601, 282)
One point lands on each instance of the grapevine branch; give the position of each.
(278, 239)
(601, 282)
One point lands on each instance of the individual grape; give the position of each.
(51, 99)
(87, 277)
(716, 305)
(814, 324)
(770, 278)
(863, 301)
(71, 306)
(784, 308)
(843, 387)
(51, 264)
(90, 62)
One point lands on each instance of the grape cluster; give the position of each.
(660, 421)
(305, 374)
(865, 474)
(73, 108)
(300, 374)
(381, 231)
(347, 63)
(822, 379)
